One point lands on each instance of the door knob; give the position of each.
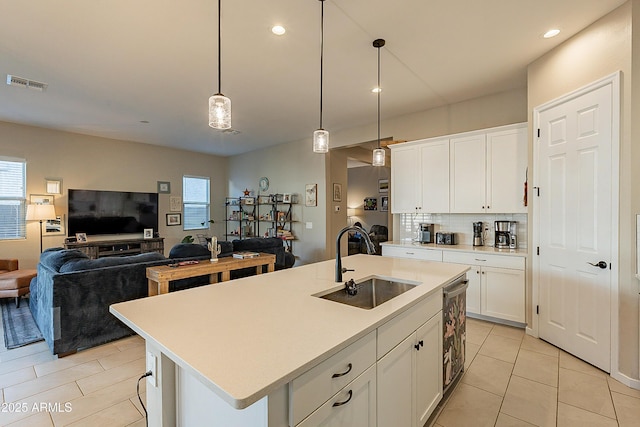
(600, 264)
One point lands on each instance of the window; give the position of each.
(12, 198)
(196, 202)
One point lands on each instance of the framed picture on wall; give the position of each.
(311, 195)
(383, 186)
(52, 227)
(384, 203)
(174, 219)
(370, 203)
(337, 192)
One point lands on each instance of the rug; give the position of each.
(18, 324)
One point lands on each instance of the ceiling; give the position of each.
(113, 65)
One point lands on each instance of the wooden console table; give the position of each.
(159, 277)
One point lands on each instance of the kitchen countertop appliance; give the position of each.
(478, 236)
(454, 309)
(443, 238)
(506, 234)
(425, 233)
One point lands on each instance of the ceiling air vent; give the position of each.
(25, 83)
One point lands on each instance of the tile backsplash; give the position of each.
(461, 224)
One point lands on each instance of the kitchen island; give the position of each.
(229, 353)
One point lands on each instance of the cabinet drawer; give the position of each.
(354, 406)
(317, 385)
(397, 329)
(413, 253)
(489, 260)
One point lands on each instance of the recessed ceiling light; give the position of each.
(278, 30)
(376, 89)
(551, 33)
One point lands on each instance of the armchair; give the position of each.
(378, 234)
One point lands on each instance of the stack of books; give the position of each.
(243, 255)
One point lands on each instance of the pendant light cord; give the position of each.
(379, 90)
(219, 50)
(321, 57)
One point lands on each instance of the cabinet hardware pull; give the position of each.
(410, 253)
(349, 366)
(478, 259)
(346, 401)
(421, 342)
(417, 347)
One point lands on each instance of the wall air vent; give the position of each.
(25, 83)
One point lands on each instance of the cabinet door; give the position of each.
(506, 170)
(502, 293)
(467, 174)
(473, 291)
(405, 180)
(395, 385)
(428, 369)
(354, 406)
(434, 164)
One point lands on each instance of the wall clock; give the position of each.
(263, 183)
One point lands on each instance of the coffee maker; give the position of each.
(425, 233)
(478, 239)
(506, 234)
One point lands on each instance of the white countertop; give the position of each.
(461, 248)
(247, 337)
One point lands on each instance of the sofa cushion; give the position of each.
(54, 258)
(90, 264)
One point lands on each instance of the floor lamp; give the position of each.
(38, 212)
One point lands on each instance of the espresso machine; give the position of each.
(478, 235)
(425, 233)
(506, 234)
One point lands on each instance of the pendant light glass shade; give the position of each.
(219, 105)
(321, 141)
(219, 111)
(378, 157)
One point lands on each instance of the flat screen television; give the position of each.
(97, 212)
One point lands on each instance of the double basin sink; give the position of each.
(369, 293)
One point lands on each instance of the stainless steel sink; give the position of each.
(370, 292)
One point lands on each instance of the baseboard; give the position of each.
(628, 381)
(530, 331)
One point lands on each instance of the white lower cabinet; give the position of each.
(496, 284)
(410, 377)
(354, 405)
(390, 377)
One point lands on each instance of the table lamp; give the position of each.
(38, 212)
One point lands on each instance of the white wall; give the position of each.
(289, 167)
(87, 162)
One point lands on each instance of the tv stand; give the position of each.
(120, 247)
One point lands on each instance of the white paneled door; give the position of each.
(574, 176)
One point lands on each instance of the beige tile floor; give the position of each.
(510, 380)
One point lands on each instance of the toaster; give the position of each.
(445, 238)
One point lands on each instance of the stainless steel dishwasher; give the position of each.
(454, 310)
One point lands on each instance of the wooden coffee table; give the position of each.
(160, 276)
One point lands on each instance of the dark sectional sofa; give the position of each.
(71, 295)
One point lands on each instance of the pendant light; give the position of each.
(321, 136)
(378, 153)
(219, 105)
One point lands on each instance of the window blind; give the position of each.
(195, 192)
(12, 198)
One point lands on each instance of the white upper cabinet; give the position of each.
(488, 171)
(467, 185)
(476, 172)
(420, 177)
(507, 154)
